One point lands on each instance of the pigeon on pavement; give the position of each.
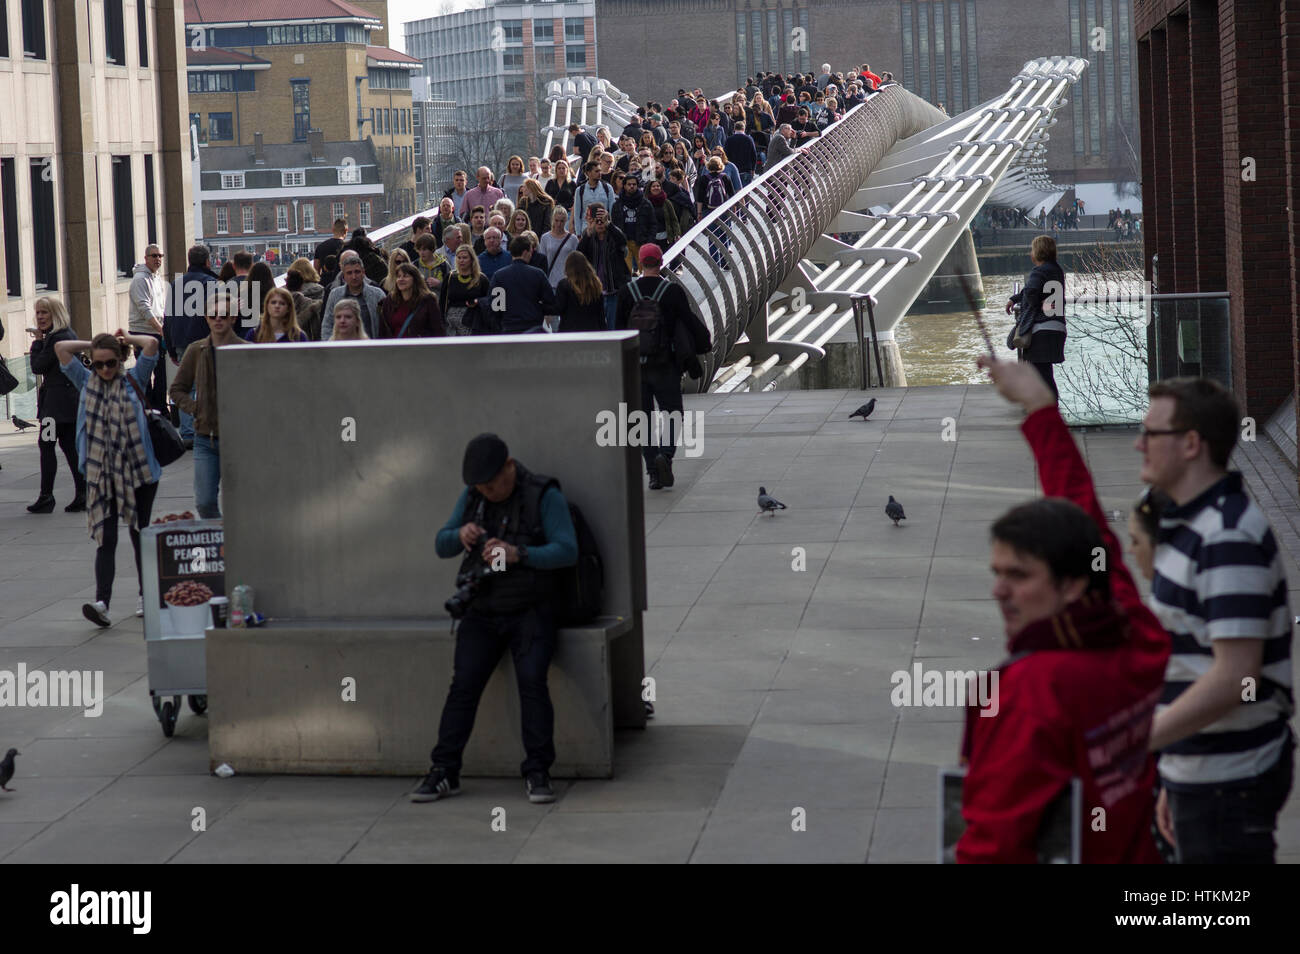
(894, 511)
(20, 423)
(768, 504)
(7, 769)
(864, 412)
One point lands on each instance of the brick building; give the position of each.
(957, 53)
(284, 67)
(495, 62)
(93, 161)
(279, 201)
(1220, 107)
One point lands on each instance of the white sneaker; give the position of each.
(139, 606)
(97, 613)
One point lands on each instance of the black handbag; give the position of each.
(7, 381)
(167, 444)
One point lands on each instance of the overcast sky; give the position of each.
(400, 11)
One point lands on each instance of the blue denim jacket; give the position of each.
(79, 374)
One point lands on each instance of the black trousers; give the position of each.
(663, 384)
(106, 554)
(1044, 368)
(480, 643)
(156, 392)
(65, 437)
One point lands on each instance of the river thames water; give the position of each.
(1102, 381)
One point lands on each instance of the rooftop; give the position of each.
(241, 12)
(213, 58)
(290, 155)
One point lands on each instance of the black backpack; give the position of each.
(580, 593)
(647, 319)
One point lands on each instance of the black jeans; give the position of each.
(66, 438)
(1044, 368)
(480, 642)
(662, 383)
(1232, 823)
(106, 554)
(156, 392)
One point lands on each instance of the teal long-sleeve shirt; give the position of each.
(559, 550)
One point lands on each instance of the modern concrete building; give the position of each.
(1219, 83)
(94, 163)
(434, 122)
(957, 53)
(284, 67)
(280, 201)
(495, 62)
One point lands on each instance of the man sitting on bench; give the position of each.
(513, 530)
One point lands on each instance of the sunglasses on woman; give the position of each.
(109, 365)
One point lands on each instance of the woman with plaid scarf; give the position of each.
(114, 448)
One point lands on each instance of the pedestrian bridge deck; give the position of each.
(761, 671)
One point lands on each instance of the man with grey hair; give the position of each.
(493, 257)
(148, 296)
(780, 146)
(825, 77)
(353, 284)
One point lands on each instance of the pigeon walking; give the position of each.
(864, 412)
(7, 769)
(20, 423)
(768, 504)
(894, 511)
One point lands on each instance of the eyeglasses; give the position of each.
(109, 365)
(1144, 432)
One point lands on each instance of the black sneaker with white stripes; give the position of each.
(539, 788)
(437, 784)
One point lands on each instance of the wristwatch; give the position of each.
(522, 550)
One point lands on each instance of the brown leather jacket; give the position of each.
(198, 370)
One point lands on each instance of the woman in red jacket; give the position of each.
(1085, 669)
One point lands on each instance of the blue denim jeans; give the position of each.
(611, 311)
(207, 476)
(187, 423)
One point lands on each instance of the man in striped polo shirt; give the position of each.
(1220, 591)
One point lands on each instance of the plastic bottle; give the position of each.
(241, 606)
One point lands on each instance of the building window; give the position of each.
(282, 217)
(419, 178)
(249, 224)
(337, 211)
(150, 206)
(791, 55)
(544, 59)
(415, 120)
(4, 30)
(773, 41)
(954, 43)
(223, 220)
(742, 56)
(123, 215)
(513, 31)
(232, 180)
(9, 212)
(909, 71)
(309, 217)
(543, 31)
(972, 54)
(33, 29)
(512, 61)
(756, 39)
(293, 177)
(575, 58)
(417, 145)
(514, 88)
(940, 58)
(301, 109)
(142, 30)
(575, 30)
(221, 126)
(363, 217)
(349, 175)
(114, 32)
(923, 50)
(805, 54)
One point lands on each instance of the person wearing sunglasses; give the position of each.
(115, 452)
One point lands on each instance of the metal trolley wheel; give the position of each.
(167, 713)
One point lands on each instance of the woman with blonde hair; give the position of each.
(279, 320)
(56, 400)
(461, 292)
(311, 283)
(562, 187)
(538, 205)
(398, 257)
(519, 224)
(347, 322)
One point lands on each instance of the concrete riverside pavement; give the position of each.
(771, 640)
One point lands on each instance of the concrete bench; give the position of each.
(277, 698)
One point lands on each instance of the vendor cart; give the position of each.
(184, 564)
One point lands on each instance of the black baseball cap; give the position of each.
(485, 455)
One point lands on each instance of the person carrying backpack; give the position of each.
(712, 189)
(669, 340)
